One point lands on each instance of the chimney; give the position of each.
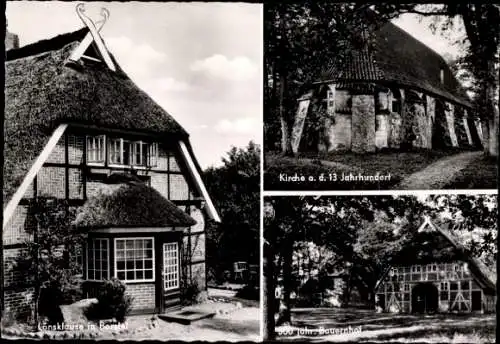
(11, 39)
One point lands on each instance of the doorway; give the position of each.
(424, 298)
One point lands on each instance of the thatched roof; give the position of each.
(441, 245)
(41, 92)
(130, 204)
(399, 59)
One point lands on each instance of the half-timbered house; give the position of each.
(73, 120)
(436, 274)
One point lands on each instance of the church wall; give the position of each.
(363, 123)
(450, 121)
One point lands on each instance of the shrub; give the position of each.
(112, 302)
(189, 293)
(249, 292)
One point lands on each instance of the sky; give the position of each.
(202, 62)
(418, 27)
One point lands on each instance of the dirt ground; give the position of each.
(357, 326)
(229, 324)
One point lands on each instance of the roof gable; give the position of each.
(42, 91)
(434, 243)
(397, 57)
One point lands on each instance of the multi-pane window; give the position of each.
(115, 151)
(138, 153)
(406, 287)
(97, 259)
(152, 156)
(171, 265)
(134, 259)
(95, 149)
(135, 153)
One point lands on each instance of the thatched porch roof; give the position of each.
(128, 204)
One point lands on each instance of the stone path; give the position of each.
(439, 173)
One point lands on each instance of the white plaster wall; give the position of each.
(382, 134)
(450, 120)
(339, 133)
(298, 125)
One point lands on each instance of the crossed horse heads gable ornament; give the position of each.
(92, 36)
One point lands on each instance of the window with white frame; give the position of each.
(134, 153)
(95, 149)
(134, 259)
(138, 153)
(152, 156)
(98, 259)
(171, 265)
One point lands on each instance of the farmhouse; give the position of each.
(435, 274)
(78, 129)
(395, 93)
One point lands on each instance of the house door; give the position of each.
(171, 274)
(424, 298)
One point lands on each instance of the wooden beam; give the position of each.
(96, 37)
(199, 182)
(85, 43)
(35, 168)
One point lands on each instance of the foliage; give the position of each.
(190, 292)
(367, 233)
(235, 190)
(478, 64)
(301, 40)
(49, 262)
(112, 302)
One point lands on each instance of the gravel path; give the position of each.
(439, 173)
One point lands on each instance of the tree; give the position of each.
(299, 39)
(49, 263)
(235, 190)
(366, 234)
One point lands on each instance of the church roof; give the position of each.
(396, 58)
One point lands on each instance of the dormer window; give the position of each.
(121, 151)
(95, 149)
(152, 157)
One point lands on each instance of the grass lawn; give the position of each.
(368, 326)
(398, 164)
(482, 173)
(326, 171)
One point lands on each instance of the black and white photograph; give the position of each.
(131, 175)
(417, 268)
(362, 96)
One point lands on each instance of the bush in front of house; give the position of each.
(189, 294)
(112, 302)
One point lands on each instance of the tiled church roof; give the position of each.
(397, 58)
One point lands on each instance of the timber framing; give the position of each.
(35, 168)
